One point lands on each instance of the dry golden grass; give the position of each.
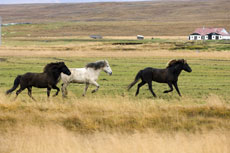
(99, 49)
(161, 53)
(32, 127)
(114, 124)
(109, 114)
(57, 139)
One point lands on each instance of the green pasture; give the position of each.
(209, 76)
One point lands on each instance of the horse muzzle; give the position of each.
(108, 72)
(68, 73)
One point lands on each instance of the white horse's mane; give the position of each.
(97, 65)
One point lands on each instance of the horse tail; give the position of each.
(16, 83)
(137, 78)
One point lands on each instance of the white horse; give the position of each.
(87, 75)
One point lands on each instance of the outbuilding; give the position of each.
(140, 37)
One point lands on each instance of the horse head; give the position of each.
(186, 67)
(64, 69)
(56, 68)
(107, 69)
(179, 63)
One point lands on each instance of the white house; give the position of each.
(209, 34)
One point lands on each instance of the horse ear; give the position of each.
(60, 64)
(180, 60)
(184, 61)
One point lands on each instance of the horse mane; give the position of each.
(96, 65)
(51, 66)
(175, 61)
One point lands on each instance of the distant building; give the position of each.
(11, 24)
(209, 34)
(96, 36)
(140, 37)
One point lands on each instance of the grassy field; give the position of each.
(208, 76)
(113, 119)
(210, 72)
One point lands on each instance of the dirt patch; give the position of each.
(129, 43)
(3, 59)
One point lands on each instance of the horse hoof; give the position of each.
(64, 96)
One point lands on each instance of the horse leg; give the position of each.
(55, 87)
(48, 91)
(86, 87)
(96, 84)
(19, 91)
(138, 87)
(151, 89)
(64, 89)
(171, 88)
(177, 89)
(30, 93)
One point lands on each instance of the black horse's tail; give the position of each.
(16, 83)
(137, 78)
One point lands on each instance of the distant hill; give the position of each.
(62, 1)
(167, 17)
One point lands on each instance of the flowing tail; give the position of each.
(16, 83)
(137, 78)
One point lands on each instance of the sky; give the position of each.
(59, 1)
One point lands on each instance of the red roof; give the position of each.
(205, 31)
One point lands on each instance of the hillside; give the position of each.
(156, 17)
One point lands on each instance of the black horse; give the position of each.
(48, 79)
(168, 75)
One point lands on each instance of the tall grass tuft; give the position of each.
(109, 114)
